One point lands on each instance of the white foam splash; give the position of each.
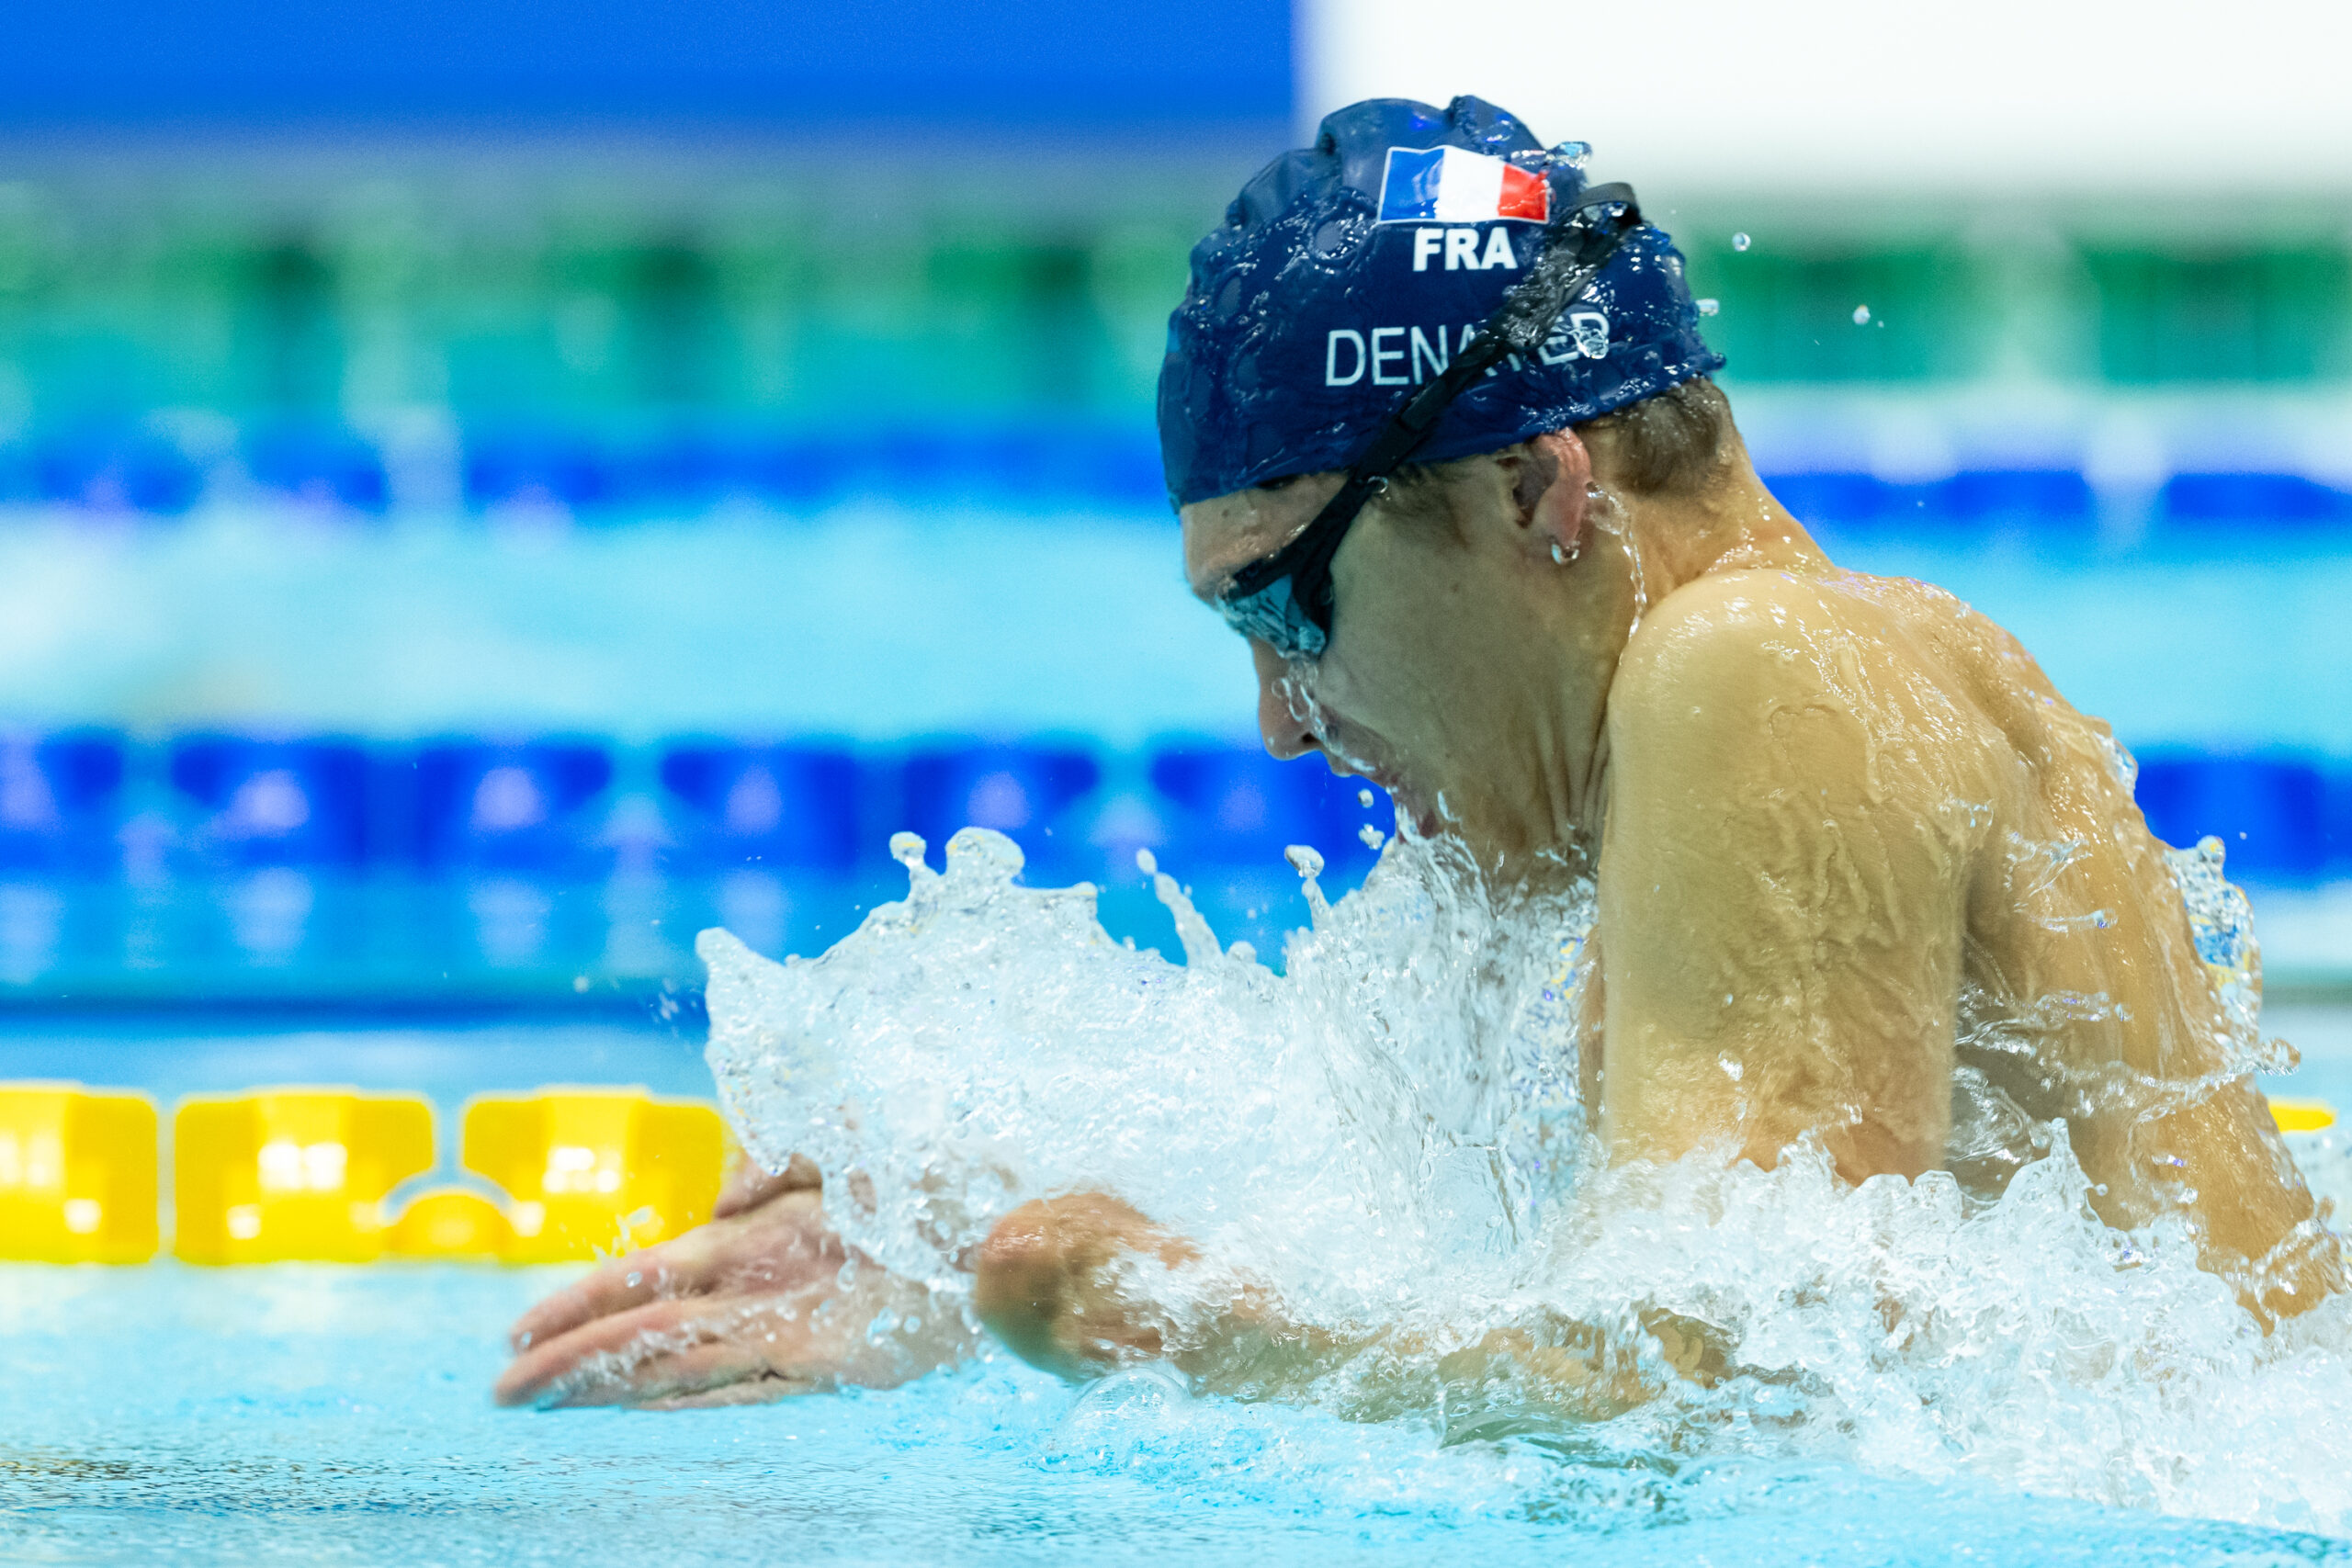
(982, 1043)
(1389, 1133)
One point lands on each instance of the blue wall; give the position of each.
(1065, 64)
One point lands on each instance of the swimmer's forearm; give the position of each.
(1052, 1282)
(1085, 1285)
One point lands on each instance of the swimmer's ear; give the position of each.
(1551, 479)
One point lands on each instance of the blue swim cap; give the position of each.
(1347, 273)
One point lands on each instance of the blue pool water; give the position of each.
(303, 1413)
(876, 623)
(427, 657)
(314, 1414)
(300, 1414)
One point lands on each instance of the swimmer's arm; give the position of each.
(1781, 908)
(1085, 1285)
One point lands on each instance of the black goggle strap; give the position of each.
(1574, 252)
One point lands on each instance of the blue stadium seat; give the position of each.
(1834, 498)
(575, 470)
(2268, 812)
(138, 469)
(688, 470)
(786, 807)
(2037, 495)
(1114, 466)
(288, 803)
(1096, 840)
(1020, 791)
(60, 801)
(1073, 464)
(529, 808)
(2253, 498)
(2336, 822)
(803, 473)
(155, 476)
(319, 463)
(1237, 805)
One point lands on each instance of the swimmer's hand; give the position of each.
(762, 1303)
(749, 1185)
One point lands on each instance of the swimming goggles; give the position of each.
(1284, 599)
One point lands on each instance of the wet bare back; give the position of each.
(1866, 873)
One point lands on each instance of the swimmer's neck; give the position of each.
(1734, 525)
(1544, 824)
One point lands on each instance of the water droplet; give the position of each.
(1708, 307)
(1862, 315)
(1305, 859)
(1363, 798)
(1372, 837)
(636, 1278)
(1147, 862)
(1739, 241)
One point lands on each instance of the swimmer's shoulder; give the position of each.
(1753, 631)
(2003, 680)
(1703, 675)
(1733, 653)
(2008, 711)
(1724, 621)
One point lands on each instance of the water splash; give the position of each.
(2221, 923)
(1407, 1092)
(982, 1043)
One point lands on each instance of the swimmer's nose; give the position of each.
(1286, 733)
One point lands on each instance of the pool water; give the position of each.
(319, 1415)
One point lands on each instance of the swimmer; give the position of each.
(1864, 879)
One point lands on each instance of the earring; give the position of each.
(1559, 556)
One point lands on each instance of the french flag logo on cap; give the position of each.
(1454, 185)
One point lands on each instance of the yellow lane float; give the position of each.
(595, 1171)
(2301, 1115)
(304, 1174)
(77, 1174)
(289, 1173)
(450, 1222)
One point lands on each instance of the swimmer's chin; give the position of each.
(1425, 819)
